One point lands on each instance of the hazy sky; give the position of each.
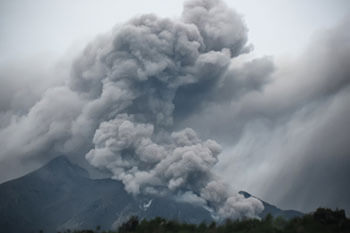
(275, 26)
(282, 119)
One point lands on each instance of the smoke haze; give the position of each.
(155, 102)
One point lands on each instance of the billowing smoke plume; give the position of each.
(134, 93)
(122, 95)
(134, 76)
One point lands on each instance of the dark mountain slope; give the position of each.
(61, 196)
(273, 210)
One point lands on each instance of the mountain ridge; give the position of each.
(61, 195)
(272, 209)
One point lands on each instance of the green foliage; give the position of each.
(321, 221)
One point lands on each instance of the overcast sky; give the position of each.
(41, 26)
(282, 117)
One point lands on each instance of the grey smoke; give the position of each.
(294, 136)
(145, 101)
(118, 106)
(219, 26)
(142, 67)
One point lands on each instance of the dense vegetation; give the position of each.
(321, 221)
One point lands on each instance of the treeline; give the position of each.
(321, 221)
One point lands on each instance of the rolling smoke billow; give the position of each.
(141, 68)
(126, 97)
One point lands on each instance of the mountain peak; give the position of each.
(61, 165)
(273, 210)
(59, 160)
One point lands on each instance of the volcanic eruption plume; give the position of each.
(134, 76)
(129, 91)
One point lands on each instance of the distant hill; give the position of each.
(273, 210)
(60, 195)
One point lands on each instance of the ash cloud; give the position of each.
(295, 134)
(322, 114)
(146, 101)
(142, 68)
(118, 106)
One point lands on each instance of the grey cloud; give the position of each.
(285, 87)
(43, 122)
(42, 133)
(320, 175)
(127, 150)
(146, 62)
(23, 83)
(21, 88)
(138, 98)
(293, 135)
(222, 110)
(119, 102)
(220, 26)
